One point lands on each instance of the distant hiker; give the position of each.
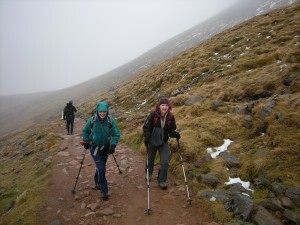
(101, 135)
(69, 116)
(158, 127)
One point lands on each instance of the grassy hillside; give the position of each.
(249, 70)
(242, 85)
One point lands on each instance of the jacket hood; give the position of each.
(102, 106)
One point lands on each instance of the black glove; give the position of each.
(146, 143)
(85, 144)
(174, 134)
(112, 149)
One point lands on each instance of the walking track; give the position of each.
(127, 202)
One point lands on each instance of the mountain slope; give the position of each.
(242, 85)
(40, 106)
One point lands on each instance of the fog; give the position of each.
(53, 44)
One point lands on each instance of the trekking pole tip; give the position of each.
(148, 211)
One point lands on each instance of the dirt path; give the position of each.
(127, 191)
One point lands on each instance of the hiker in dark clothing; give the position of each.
(69, 116)
(101, 135)
(158, 127)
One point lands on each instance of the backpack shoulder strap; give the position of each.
(155, 118)
(170, 117)
(93, 121)
(109, 121)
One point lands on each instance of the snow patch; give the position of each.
(214, 152)
(245, 184)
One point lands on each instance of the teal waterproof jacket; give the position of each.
(101, 132)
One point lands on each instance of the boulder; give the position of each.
(263, 217)
(210, 180)
(231, 161)
(292, 216)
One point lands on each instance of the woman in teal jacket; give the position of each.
(101, 135)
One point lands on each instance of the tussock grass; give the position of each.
(257, 62)
(24, 174)
(216, 211)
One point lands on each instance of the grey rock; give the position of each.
(248, 121)
(105, 212)
(234, 188)
(244, 205)
(92, 206)
(286, 202)
(210, 180)
(278, 188)
(273, 204)
(206, 158)
(287, 81)
(216, 104)
(245, 109)
(266, 110)
(220, 194)
(292, 216)
(176, 92)
(262, 181)
(294, 194)
(263, 217)
(231, 161)
(193, 100)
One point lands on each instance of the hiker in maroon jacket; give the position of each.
(159, 126)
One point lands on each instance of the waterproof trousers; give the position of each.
(164, 154)
(69, 126)
(100, 159)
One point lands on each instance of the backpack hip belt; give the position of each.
(97, 149)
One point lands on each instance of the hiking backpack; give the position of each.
(69, 113)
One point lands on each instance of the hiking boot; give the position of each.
(97, 186)
(163, 185)
(104, 196)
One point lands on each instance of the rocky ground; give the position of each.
(127, 202)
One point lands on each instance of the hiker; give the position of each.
(158, 127)
(69, 116)
(101, 135)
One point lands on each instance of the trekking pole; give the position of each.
(79, 170)
(181, 161)
(148, 186)
(120, 172)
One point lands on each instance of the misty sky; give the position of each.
(53, 44)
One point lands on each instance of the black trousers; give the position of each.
(69, 126)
